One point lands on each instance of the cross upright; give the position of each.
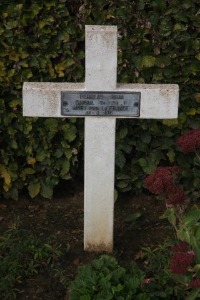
(100, 100)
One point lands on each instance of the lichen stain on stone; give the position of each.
(100, 247)
(53, 102)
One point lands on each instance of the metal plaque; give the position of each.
(125, 104)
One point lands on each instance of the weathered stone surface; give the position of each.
(157, 101)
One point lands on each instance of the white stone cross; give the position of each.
(44, 100)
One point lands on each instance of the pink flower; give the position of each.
(177, 197)
(147, 280)
(182, 247)
(161, 181)
(189, 141)
(183, 258)
(195, 283)
(178, 269)
(180, 261)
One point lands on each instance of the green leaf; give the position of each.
(193, 295)
(142, 162)
(121, 176)
(170, 122)
(65, 168)
(34, 189)
(179, 27)
(133, 217)
(120, 159)
(184, 234)
(197, 268)
(171, 155)
(148, 165)
(25, 172)
(11, 24)
(197, 97)
(192, 112)
(123, 132)
(70, 135)
(40, 156)
(148, 61)
(27, 73)
(197, 161)
(35, 9)
(146, 137)
(197, 56)
(196, 247)
(170, 215)
(58, 153)
(46, 191)
(192, 216)
(122, 184)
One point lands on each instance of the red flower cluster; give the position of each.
(182, 247)
(195, 283)
(189, 141)
(161, 182)
(181, 259)
(178, 269)
(176, 197)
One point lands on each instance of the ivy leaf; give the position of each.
(41, 155)
(34, 189)
(123, 132)
(65, 168)
(6, 176)
(25, 172)
(170, 122)
(197, 56)
(146, 137)
(197, 97)
(46, 191)
(171, 155)
(31, 161)
(120, 159)
(142, 162)
(148, 61)
(192, 112)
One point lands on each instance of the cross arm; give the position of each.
(43, 99)
(158, 101)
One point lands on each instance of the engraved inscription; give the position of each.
(100, 103)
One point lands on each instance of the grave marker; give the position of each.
(100, 100)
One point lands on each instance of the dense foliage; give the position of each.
(44, 41)
(104, 278)
(185, 218)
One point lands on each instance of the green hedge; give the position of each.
(44, 41)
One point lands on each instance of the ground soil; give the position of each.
(61, 220)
